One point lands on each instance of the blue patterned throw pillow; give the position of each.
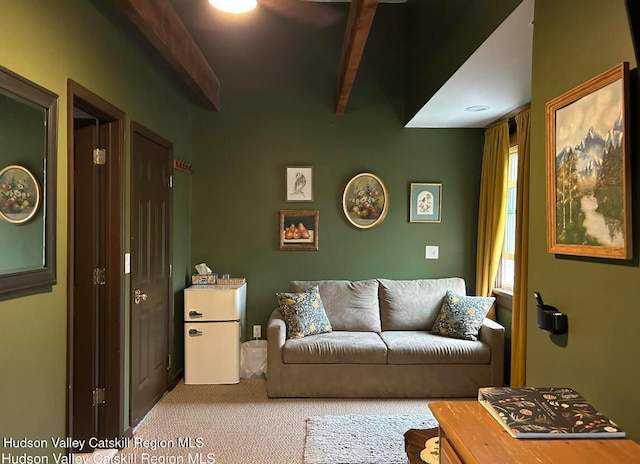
(461, 316)
(303, 313)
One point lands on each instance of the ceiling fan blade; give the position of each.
(314, 14)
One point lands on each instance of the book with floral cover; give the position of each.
(546, 412)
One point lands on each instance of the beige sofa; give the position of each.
(381, 345)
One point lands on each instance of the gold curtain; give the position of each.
(519, 305)
(491, 212)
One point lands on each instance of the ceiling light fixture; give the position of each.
(234, 6)
(476, 108)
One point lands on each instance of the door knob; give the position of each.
(138, 296)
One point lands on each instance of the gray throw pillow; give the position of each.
(350, 305)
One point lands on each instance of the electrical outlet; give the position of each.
(431, 252)
(257, 331)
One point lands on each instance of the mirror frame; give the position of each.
(45, 276)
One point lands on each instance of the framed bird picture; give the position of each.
(299, 183)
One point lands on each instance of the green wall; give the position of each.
(181, 261)
(278, 96)
(47, 43)
(575, 40)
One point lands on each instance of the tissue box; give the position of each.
(204, 279)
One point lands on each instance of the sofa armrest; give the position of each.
(492, 334)
(276, 330)
(276, 336)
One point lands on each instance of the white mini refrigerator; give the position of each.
(214, 321)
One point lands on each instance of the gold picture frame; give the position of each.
(588, 168)
(365, 200)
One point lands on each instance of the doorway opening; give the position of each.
(95, 278)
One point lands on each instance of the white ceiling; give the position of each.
(497, 75)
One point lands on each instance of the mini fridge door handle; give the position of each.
(195, 332)
(194, 313)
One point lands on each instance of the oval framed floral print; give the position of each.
(19, 194)
(365, 200)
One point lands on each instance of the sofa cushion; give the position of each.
(414, 304)
(351, 306)
(336, 348)
(303, 313)
(461, 316)
(421, 347)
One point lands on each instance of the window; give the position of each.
(506, 271)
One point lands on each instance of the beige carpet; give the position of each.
(239, 424)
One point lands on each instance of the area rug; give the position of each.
(361, 439)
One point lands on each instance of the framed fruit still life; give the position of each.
(298, 230)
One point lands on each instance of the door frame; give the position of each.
(134, 128)
(112, 418)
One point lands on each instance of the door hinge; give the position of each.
(99, 276)
(168, 362)
(98, 396)
(170, 181)
(99, 156)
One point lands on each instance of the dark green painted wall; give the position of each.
(575, 40)
(277, 110)
(181, 259)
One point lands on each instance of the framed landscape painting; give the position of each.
(588, 169)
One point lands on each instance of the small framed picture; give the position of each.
(299, 183)
(298, 230)
(425, 202)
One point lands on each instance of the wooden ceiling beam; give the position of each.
(161, 25)
(359, 23)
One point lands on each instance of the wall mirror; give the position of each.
(28, 149)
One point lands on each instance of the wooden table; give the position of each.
(414, 443)
(469, 435)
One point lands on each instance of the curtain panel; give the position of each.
(520, 288)
(491, 210)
